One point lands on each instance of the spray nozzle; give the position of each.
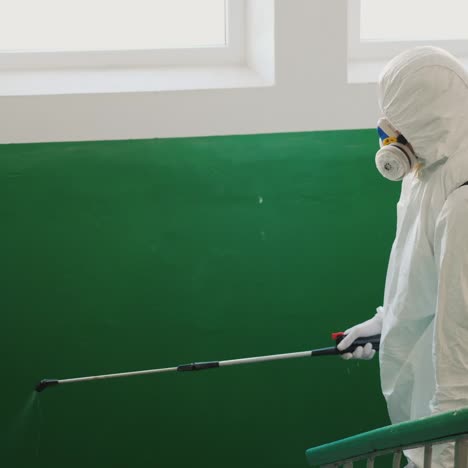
(43, 384)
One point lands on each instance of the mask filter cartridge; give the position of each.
(395, 158)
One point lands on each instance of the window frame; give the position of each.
(384, 50)
(232, 53)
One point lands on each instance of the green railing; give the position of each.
(425, 432)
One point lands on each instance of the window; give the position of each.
(420, 19)
(379, 30)
(94, 33)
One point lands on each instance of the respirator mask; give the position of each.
(395, 158)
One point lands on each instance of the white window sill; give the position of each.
(252, 68)
(93, 81)
(368, 71)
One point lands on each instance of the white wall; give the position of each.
(310, 93)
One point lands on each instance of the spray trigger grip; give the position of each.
(361, 341)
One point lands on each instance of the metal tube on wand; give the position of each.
(196, 366)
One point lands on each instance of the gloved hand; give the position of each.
(370, 327)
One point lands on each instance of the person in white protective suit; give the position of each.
(423, 97)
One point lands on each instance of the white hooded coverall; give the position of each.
(424, 345)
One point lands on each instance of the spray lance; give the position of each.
(197, 366)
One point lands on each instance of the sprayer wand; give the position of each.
(196, 366)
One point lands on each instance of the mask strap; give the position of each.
(401, 139)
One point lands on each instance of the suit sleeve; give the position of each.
(450, 344)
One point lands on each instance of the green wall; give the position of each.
(129, 255)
